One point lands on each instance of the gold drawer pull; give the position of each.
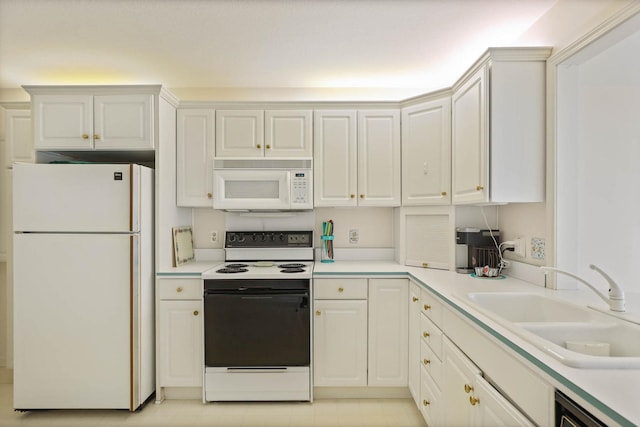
(426, 334)
(341, 289)
(209, 195)
(96, 136)
(425, 264)
(85, 136)
(425, 402)
(318, 312)
(426, 361)
(178, 289)
(427, 307)
(473, 400)
(196, 312)
(414, 299)
(352, 196)
(444, 193)
(362, 196)
(468, 389)
(479, 187)
(268, 146)
(258, 146)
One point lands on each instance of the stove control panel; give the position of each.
(268, 239)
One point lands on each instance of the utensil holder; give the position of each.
(327, 249)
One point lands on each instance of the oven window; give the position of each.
(257, 329)
(252, 189)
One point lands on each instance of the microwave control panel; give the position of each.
(301, 189)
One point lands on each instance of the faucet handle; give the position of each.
(615, 291)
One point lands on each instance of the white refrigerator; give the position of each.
(83, 286)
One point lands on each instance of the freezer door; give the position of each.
(76, 197)
(74, 330)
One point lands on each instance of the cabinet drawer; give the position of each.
(431, 402)
(431, 363)
(340, 288)
(431, 335)
(171, 289)
(431, 307)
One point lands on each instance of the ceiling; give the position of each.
(399, 48)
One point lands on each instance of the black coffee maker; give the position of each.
(480, 248)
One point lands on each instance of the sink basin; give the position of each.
(576, 336)
(524, 307)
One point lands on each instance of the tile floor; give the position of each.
(190, 413)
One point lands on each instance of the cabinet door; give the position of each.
(180, 343)
(426, 153)
(63, 122)
(194, 157)
(459, 374)
(239, 133)
(493, 410)
(379, 158)
(470, 140)
(123, 122)
(335, 158)
(288, 133)
(437, 228)
(19, 137)
(388, 332)
(414, 342)
(340, 343)
(6, 226)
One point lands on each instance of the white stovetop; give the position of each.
(260, 270)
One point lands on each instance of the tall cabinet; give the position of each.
(498, 128)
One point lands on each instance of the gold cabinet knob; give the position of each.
(473, 400)
(85, 136)
(352, 196)
(268, 147)
(209, 196)
(426, 334)
(425, 264)
(425, 402)
(96, 136)
(479, 187)
(340, 289)
(196, 312)
(178, 289)
(362, 196)
(468, 388)
(258, 146)
(444, 193)
(427, 307)
(426, 361)
(318, 312)
(414, 299)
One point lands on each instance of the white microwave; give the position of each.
(262, 184)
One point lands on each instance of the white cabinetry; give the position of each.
(18, 137)
(426, 152)
(194, 157)
(360, 332)
(498, 128)
(357, 158)
(414, 342)
(179, 334)
(259, 133)
(92, 118)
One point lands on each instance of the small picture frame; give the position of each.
(183, 245)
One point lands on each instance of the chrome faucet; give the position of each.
(615, 299)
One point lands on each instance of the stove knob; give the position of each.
(273, 237)
(232, 237)
(282, 237)
(253, 237)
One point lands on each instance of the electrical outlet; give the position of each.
(520, 248)
(537, 248)
(354, 236)
(214, 236)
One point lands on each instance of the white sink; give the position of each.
(553, 325)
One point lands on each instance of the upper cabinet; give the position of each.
(93, 117)
(258, 133)
(498, 128)
(426, 152)
(194, 157)
(357, 158)
(18, 136)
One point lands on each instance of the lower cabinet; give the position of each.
(179, 333)
(360, 332)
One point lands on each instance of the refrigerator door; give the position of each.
(75, 330)
(76, 197)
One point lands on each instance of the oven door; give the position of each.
(253, 328)
(251, 189)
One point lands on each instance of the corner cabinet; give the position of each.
(264, 133)
(93, 118)
(498, 128)
(194, 157)
(360, 332)
(426, 152)
(357, 158)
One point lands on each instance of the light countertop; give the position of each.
(610, 394)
